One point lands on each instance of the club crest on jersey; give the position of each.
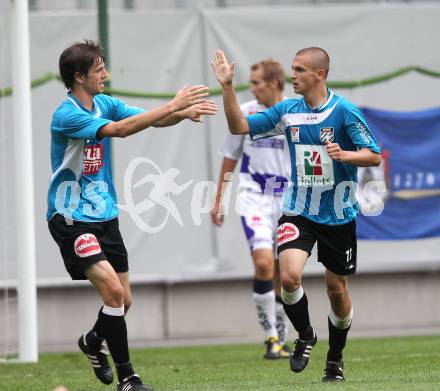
(294, 134)
(286, 233)
(86, 245)
(327, 134)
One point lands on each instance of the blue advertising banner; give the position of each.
(410, 143)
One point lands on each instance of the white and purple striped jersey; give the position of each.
(81, 186)
(265, 164)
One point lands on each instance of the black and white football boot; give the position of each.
(133, 383)
(334, 371)
(98, 359)
(301, 354)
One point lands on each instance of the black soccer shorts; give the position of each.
(82, 244)
(337, 244)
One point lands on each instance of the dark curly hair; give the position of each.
(79, 57)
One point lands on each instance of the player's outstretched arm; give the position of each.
(226, 170)
(224, 72)
(193, 113)
(362, 158)
(185, 97)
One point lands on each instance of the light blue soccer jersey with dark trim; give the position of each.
(322, 190)
(81, 187)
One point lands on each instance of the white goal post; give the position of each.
(24, 184)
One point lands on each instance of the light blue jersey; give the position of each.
(81, 187)
(322, 189)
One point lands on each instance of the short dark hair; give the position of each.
(272, 70)
(320, 58)
(79, 57)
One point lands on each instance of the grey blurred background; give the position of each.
(192, 282)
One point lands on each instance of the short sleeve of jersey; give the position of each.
(118, 108)
(267, 123)
(76, 124)
(232, 146)
(358, 130)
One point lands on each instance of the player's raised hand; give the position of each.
(335, 151)
(224, 71)
(189, 95)
(195, 112)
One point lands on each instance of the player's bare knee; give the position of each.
(264, 266)
(114, 296)
(290, 283)
(337, 286)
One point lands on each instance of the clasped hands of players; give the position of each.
(191, 102)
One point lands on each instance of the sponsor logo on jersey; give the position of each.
(286, 233)
(314, 166)
(294, 134)
(327, 134)
(93, 156)
(272, 142)
(86, 245)
(256, 221)
(312, 163)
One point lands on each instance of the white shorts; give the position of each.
(259, 217)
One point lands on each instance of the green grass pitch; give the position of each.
(409, 363)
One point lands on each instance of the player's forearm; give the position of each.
(170, 120)
(137, 123)
(362, 158)
(226, 170)
(236, 121)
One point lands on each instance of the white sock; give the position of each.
(291, 298)
(265, 304)
(282, 324)
(340, 323)
(118, 311)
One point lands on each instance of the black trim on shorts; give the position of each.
(337, 244)
(65, 232)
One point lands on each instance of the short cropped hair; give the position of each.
(320, 58)
(272, 70)
(79, 57)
